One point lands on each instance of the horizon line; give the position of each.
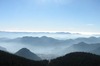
(83, 33)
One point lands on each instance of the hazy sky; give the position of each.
(50, 15)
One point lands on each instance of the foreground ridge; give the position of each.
(71, 59)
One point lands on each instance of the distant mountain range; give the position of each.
(57, 35)
(57, 47)
(83, 47)
(37, 41)
(96, 51)
(40, 32)
(48, 41)
(26, 53)
(80, 47)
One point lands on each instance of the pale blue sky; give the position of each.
(50, 15)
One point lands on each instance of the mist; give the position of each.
(56, 35)
(14, 47)
(46, 45)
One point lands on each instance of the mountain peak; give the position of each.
(24, 49)
(26, 53)
(82, 43)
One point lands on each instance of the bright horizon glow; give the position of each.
(83, 33)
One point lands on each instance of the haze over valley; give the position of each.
(49, 32)
(48, 47)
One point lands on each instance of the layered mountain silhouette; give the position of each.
(26, 53)
(83, 47)
(72, 59)
(48, 41)
(37, 41)
(96, 51)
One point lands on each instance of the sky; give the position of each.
(80, 16)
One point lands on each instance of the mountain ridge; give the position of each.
(71, 59)
(26, 53)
